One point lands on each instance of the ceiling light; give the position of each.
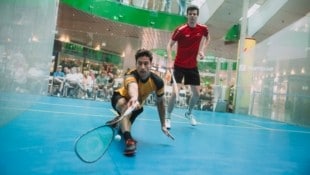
(97, 47)
(64, 38)
(252, 10)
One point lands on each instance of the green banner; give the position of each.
(78, 50)
(119, 12)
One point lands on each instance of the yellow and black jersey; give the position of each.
(152, 84)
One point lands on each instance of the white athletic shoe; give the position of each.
(168, 123)
(191, 118)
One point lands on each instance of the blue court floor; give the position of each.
(38, 133)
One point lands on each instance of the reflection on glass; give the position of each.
(280, 82)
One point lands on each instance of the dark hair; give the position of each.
(144, 52)
(191, 8)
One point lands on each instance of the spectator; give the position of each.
(58, 79)
(101, 84)
(87, 85)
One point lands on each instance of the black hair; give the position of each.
(144, 52)
(191, 8)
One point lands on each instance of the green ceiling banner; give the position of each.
(81, 51)
(233, 34)
(116, 11)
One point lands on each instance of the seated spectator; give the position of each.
(73, 82)
(101, 84)
(110, 85)
(168, 77)
(206, 93)
(182, 101)
(92, 75)
(87, 85)
(58, 79)
(66, 70)
(206, 100)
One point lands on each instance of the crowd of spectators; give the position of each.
(75, 83)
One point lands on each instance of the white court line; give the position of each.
(55, 112)
(256, 127)
(179, 116)
(249, 123)
(232, 126)
(275, 122)
(53, 104)
(273, 129)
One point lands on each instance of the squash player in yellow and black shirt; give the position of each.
(138, 84)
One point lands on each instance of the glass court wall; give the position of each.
(280, 75)
(27, 30)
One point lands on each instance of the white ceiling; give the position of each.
(120, 38)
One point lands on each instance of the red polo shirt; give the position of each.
(188, 41)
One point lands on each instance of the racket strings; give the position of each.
(91, 146)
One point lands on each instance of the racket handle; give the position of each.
(130, 109)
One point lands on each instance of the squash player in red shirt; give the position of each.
(192, 39)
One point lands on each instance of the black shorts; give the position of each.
(191, 76)
(115, 97)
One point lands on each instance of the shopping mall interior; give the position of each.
(255, 76)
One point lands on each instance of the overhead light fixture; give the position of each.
(97, 47)
(252, 10)
(64, 38)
